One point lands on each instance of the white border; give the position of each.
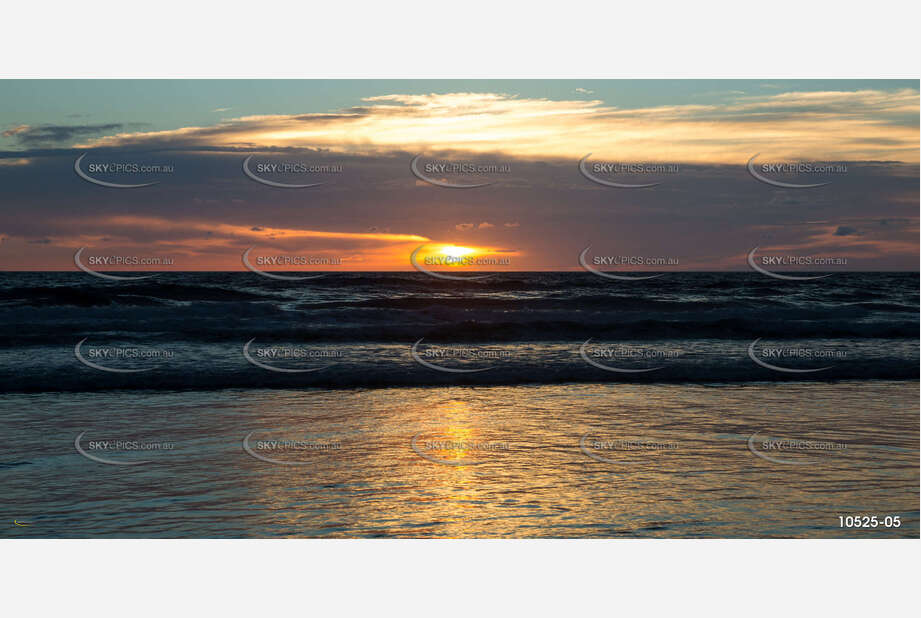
(459, 578)
(470, 39)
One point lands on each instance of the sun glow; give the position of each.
(456, 252)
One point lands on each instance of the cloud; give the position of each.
(221, 109)
(464, 227)
(832, 125)
(701, 215)
(193, 242)
(48, 134)
(584, 91)
(242, 232)
(23, 128)
(846, 230)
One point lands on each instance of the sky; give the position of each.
(373, 149)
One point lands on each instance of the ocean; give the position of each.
(518, 405)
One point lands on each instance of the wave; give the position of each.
(408, 374)
(131, 294)
(279, 326)
(562, 301)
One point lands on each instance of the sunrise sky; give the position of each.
(538, 215)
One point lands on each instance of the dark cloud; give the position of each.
(46, 134)
(708, 216)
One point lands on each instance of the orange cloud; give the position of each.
(244, 232)
(832, 125)
(219, 245)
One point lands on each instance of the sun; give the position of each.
(456, 252)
